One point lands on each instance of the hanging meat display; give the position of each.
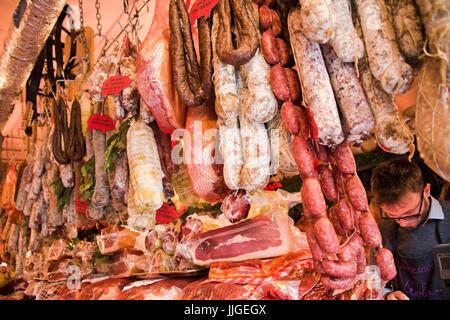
(173, 186)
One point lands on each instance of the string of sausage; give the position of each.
(248, 35)
(193, 82)
(61, 132)
(75, 145)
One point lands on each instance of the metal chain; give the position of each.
(83, 36)
(99, 28)
(99, 16)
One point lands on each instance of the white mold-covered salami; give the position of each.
(392, 133)
(346, 43)
(317, 90)
(357, 119)
(256, 149)
(408, 28)
(232, 153)
(259, 103)
(386, 62)
(317, 19)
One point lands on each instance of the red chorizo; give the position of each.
(314, 247)
(385, 261)
(356, 192)
(269, 3)
(333, 216)
(292, 78)
(361, 261)
(269, 48)
(312, 198)
(326, 236)
(322, 154)
(328, 184)
(279, 82)
(344, 159)
(283, 52)
(340, 269)
(351, 249)
(369, 230)
(289, 117)
(303, 153)
(345, 214)
(337, 283)
(318, 267)
(265, 17)
(276, 23)
(339, 179)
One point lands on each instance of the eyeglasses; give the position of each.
(386, 217)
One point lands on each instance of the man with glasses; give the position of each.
(412, 223)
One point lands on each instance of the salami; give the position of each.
(392, 134)
(346, 43)
(258, 101)
(317, 90)
(357, 117)
(408, 28)
(317, 19)
(386, 62)
(232, 153)
(256, 150)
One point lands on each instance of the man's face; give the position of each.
(408, 206)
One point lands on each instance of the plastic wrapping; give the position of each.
(260, 268)
(154, 73)
(432, 115)
(114, 238)
(200, 139)
(124, 263)
(281, 139)
(59, 249)
(217, 291)
(157, 289)
(9, 187)
(261, 237)
(145, 168)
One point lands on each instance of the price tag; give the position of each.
(114, 85)
(81, 206)
(101, 122)
(273, 186)
(201, 8)
(166, 214)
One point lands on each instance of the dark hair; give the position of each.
(393, 179)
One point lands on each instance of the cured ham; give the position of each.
(125, 263)
(205, 173)
(154, 74)
(108, 289)
(161, 289)
(217, 291)
(114, 238)
(257, 238)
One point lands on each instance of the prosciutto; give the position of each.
(159, 289)
(257, 238)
